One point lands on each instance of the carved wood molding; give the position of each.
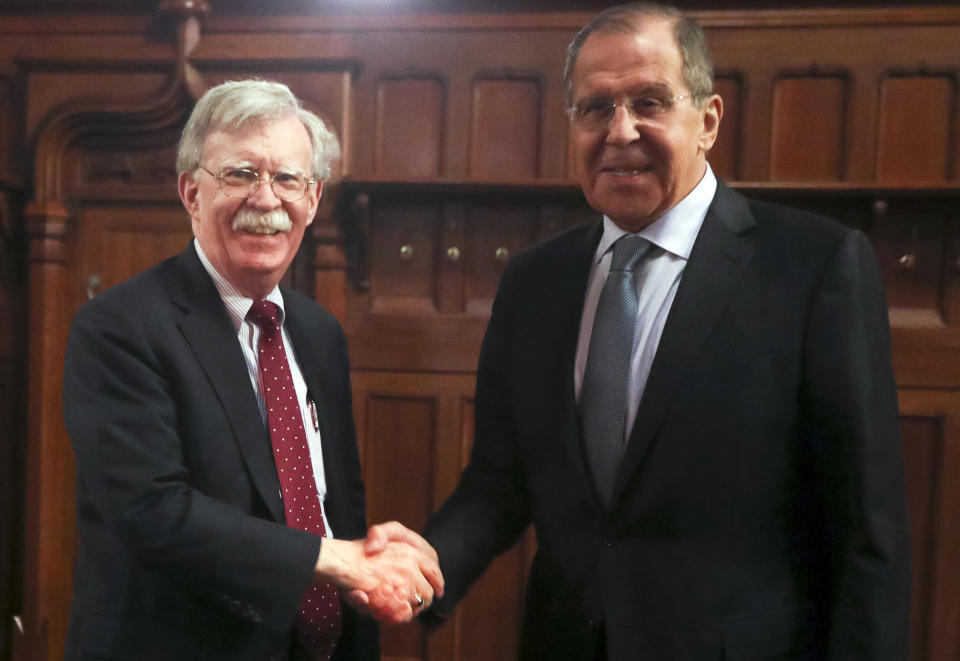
(573, 19)
(93, 120)
(12, 172)
(79, 123)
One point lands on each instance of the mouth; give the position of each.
(270, 223)
(626, 170)
(267, 231)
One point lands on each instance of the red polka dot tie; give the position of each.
(318, 623)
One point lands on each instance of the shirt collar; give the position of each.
(236, 303)
(677, 229)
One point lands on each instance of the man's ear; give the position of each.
(313, 200)
(711, 114)
(189, 189)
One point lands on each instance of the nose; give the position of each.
(264, 198)
(623, 127)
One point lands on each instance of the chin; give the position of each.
(261, 263)
(631, 217)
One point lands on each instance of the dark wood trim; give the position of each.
(563, 186)
(69, 23)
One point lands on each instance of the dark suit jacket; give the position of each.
(759, 512)
(183, 553)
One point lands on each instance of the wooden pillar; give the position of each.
(49, 528)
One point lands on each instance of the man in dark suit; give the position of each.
(706, 440)
(218, 477)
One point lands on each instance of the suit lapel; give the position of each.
(720, 254)
(211, 335)
(572, 284)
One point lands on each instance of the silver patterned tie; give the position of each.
(603, 398)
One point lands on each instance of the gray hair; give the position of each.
(239, 103)
(697, 68)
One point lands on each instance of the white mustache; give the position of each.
(271, 222)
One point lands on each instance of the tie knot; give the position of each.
(264, 314)
(627, 251)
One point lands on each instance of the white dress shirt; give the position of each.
(657, 277)
(248, 334)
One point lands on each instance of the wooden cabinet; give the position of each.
(415, 432)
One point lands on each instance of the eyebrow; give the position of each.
(248, 165)
(647, 90)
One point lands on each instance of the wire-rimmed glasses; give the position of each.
(241, 183)
(595, 112)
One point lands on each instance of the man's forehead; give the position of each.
(648, 57)
(651, 40)
(252, 128)
(255, 139)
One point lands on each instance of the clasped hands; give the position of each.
(393, 574)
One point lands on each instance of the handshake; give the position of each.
(392, 575)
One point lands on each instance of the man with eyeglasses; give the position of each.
(218, 478)
(691, 399)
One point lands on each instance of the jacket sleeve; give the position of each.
(850, 420)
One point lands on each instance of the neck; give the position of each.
(256, 290)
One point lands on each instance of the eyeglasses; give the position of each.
(596, 112)
(241, 183)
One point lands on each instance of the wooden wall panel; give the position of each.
(398, 449)
(392, 325)
(409, 128)
(119, 240)
(809, 128)
(917, 129)
(930, 427)
(52, 85)
(107, 169)
(504, 132)
(12, 165)
(909, 240)
(446, 254)
(487, 621)
(11, 485)
(450, 274)
(943, 626)
(922, 441)
(403, 251)
(13, 310)
(724, 157)
(494, 234)
(11, 262)
(407, 422)
(951, 259)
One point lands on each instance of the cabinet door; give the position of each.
(930, 426)
(415, 432)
